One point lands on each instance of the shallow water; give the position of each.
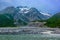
(29, 37)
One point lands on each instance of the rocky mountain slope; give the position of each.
(23, 14)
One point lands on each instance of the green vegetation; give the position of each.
(6, 20)
(54, 21)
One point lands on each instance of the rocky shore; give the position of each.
(29, 30)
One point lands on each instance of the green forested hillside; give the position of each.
(54, 21)
(6, 20)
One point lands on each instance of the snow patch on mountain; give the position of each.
(24, 10)
(45, 14)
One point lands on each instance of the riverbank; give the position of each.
(29, 30)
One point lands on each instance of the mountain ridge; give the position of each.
(23, 14)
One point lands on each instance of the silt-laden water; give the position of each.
(29, 37)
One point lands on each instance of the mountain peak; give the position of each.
(23, 9)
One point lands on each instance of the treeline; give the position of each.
(54, 21)
(6, 20)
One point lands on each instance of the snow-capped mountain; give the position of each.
(25, 14)
(32, 13)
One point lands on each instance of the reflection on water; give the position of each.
(29, 37)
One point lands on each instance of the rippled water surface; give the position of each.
(29, 37)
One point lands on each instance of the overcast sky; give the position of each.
(50, 6)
